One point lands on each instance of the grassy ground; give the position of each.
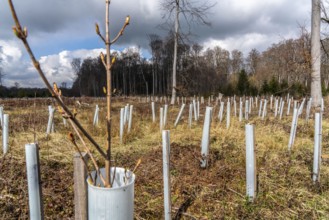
(285, 188)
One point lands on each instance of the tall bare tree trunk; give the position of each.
(153, 77)
(316, 92)
(174, 69)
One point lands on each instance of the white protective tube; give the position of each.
(206, 137)
(251, 180)
(166, 173)
(33, 181)
(317, 147)
(179, 114)
(5, 133)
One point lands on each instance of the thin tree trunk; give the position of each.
(316, 92)
(108, 98)
(153, 77)
(173, 94)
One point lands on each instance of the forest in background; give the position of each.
(282, 68)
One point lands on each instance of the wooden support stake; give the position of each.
(80, 187)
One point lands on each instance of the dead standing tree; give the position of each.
(192, 12)
(22, 34)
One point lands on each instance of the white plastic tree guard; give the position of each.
(281, 109)
(95, 122)
(221, 110)
(165, 113)
(293, 129)
(130, 117)
(264, 109)
(161, 119)
(206, 137)
(276, 107)
(234, 103)
(190, 116)
(34, 181)
(300, 110)
(240, 111)
(228, 115)
(195, 111)
(198, 108)
(50, 126)
(1, 115)
(308, 109)
(64, 122)
(5, 133)
(246, 110)
(251, 180)
(166, 173)
(260, 108)
(295, 104)
(288, 108)
(179, 114)
(317, 147)
(271, 102)
(122, 123)
(153, 112)
(126, 114)
(116, 202)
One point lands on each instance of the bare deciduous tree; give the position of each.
(1, 70)
(192, 12)
(2, 75)
(76, 65)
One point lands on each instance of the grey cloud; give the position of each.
(57, 23)
(76, 18)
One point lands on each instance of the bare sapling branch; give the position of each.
(103, 59)
(122, 30)
(72, 139)
(89, 153)
(22, 34)
(99, 33)
(87, 150)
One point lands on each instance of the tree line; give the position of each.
(282, 68)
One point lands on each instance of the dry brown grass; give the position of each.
(285, 187)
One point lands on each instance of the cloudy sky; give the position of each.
(60, 30)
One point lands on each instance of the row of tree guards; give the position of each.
(121, 200)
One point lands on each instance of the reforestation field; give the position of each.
(285, 186)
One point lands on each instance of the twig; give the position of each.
(34, 116)
(81, 156)
(122, 30)
(239, 194)
(89, 153)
